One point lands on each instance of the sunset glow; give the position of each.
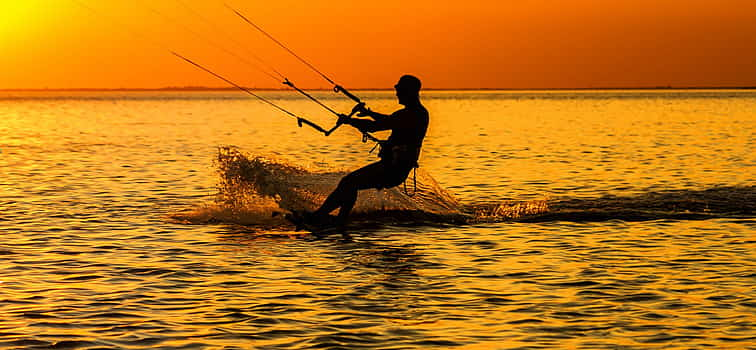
(18, 20)
(483, 44)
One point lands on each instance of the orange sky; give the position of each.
(360, 44)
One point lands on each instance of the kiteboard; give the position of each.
(326, 227)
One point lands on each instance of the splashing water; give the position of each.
(253, 190)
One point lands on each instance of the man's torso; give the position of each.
(409, 126)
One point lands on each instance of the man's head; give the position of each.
(408, 89)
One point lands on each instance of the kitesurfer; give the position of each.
(398, 155)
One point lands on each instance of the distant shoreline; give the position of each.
(221, 89)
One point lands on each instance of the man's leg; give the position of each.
(345, 194)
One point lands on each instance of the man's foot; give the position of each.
(297, 218)
(305, 220)
(311, 218)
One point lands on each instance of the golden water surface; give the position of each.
(88, 258)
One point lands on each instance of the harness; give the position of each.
(392, 159)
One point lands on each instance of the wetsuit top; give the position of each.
(408, 127)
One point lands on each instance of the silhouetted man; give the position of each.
(399, 154)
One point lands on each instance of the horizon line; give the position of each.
(211, 88)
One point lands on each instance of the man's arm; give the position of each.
(367, 112)
(379, 122)
(366, 125)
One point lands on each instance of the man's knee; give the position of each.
(348, 182)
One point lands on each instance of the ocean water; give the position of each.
(543, 220)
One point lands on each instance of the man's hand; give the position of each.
(344, 119)
(361, 110)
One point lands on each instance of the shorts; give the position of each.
(378, 175)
